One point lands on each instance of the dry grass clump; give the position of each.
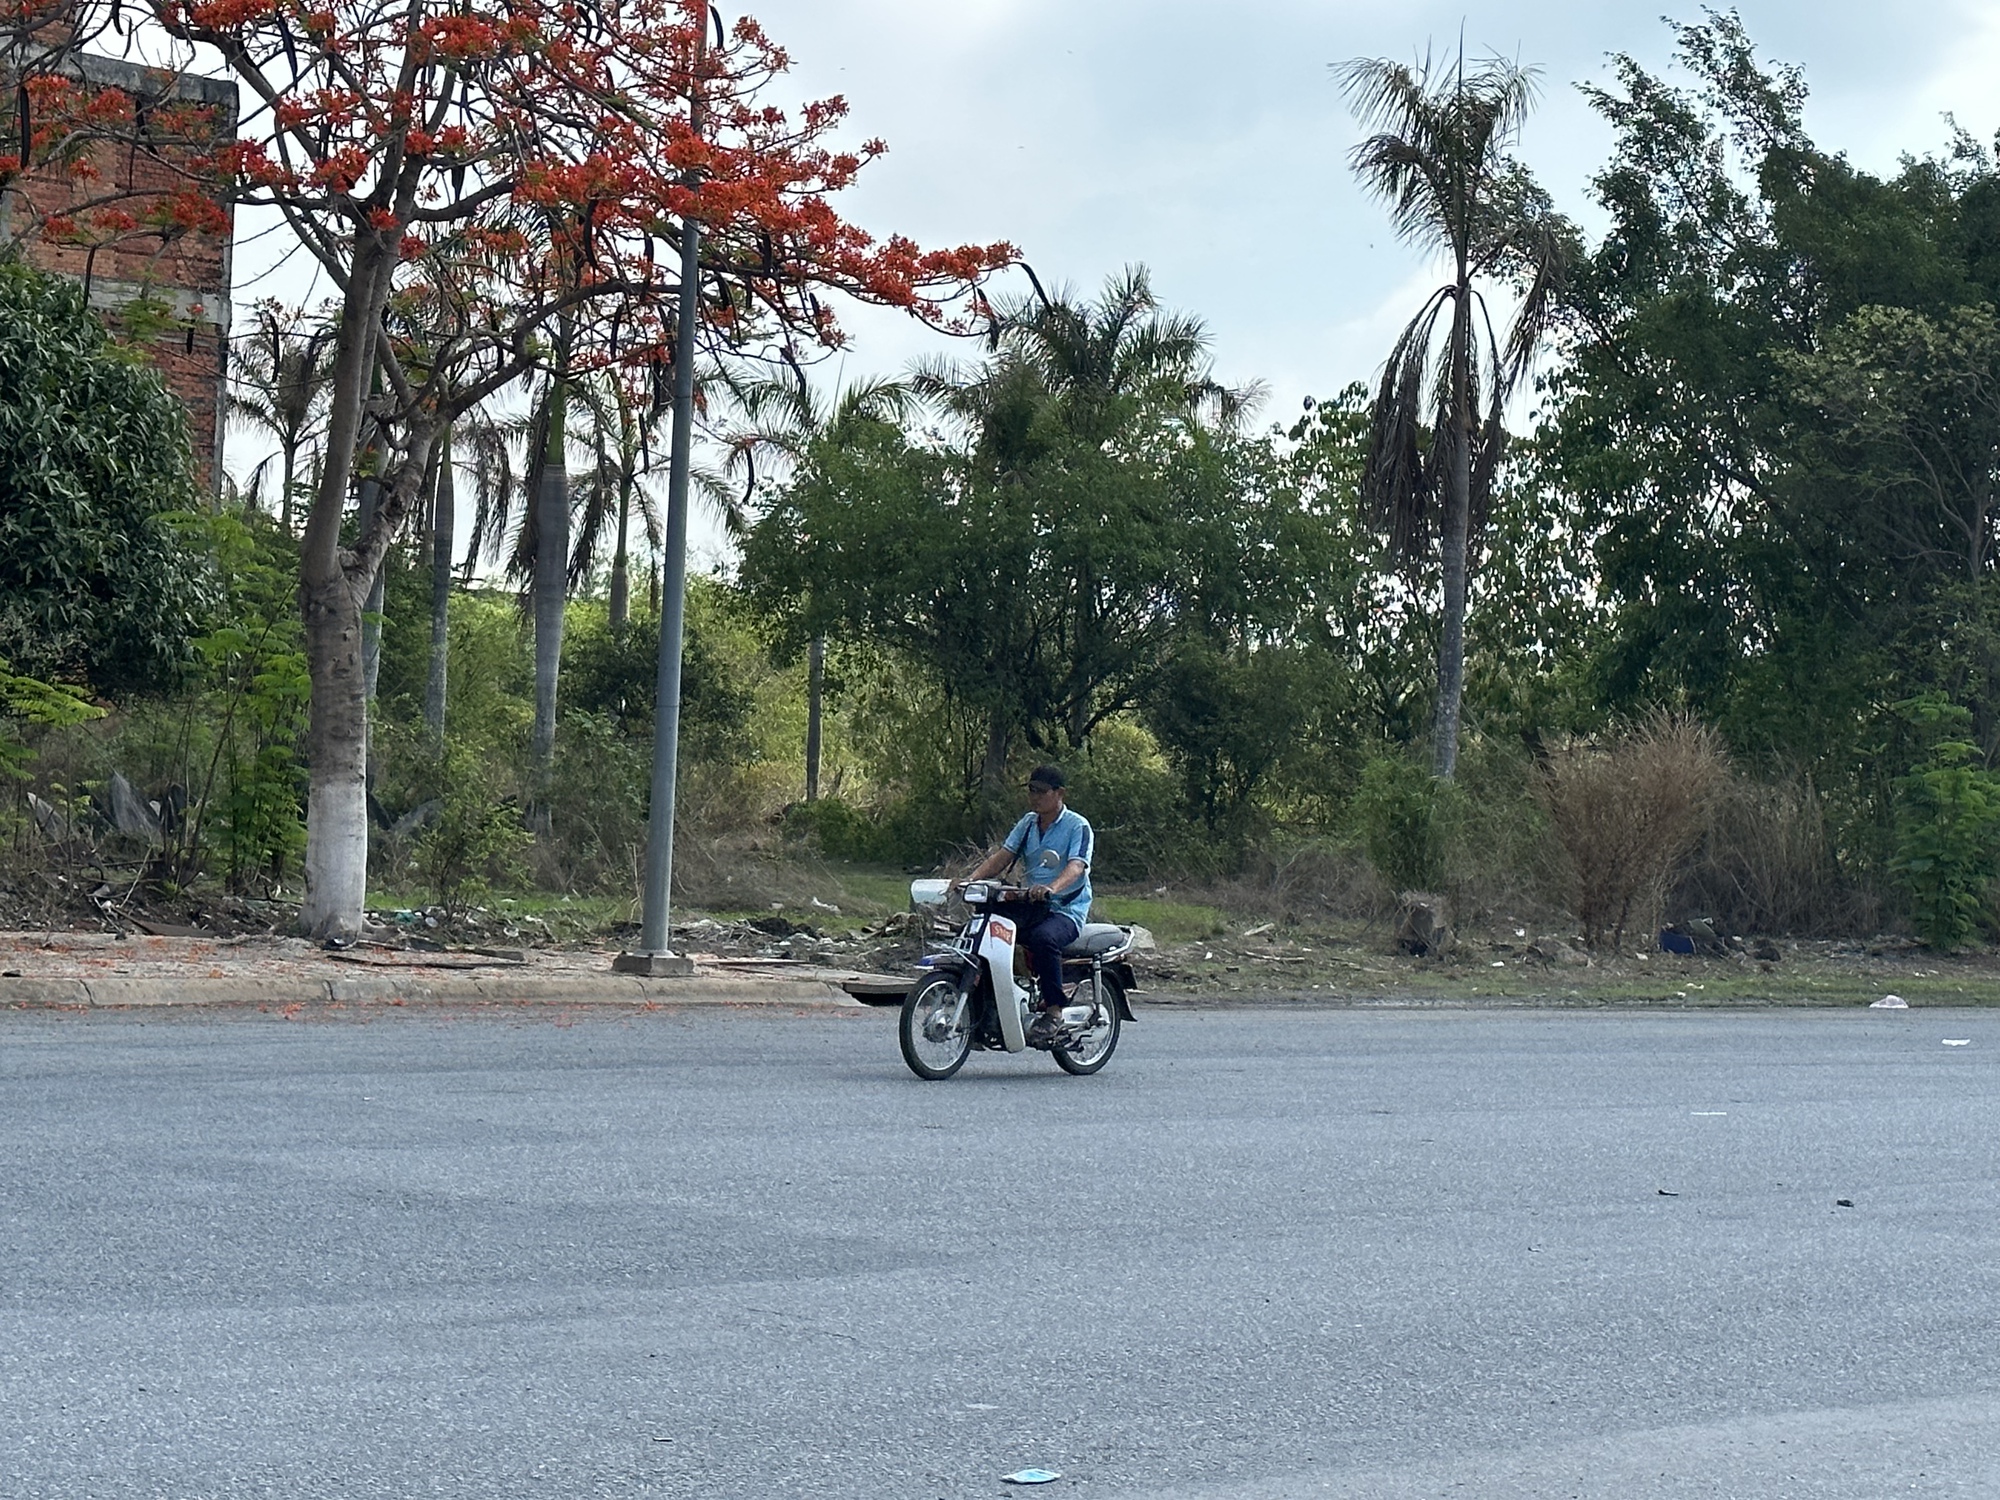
(1765, 862)
(1299, 881)
(1625, 808)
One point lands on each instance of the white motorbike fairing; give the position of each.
(996, 948)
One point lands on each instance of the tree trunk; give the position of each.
(551, 594)
(993, 771)
(330, 599)
(371, 619)
(285, 493)
(1452, 545)
(444, 536)
(337, 751)
(815, 687)
(621, 576)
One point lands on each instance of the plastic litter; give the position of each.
(1031, 1476)
(1958, 1041)
(1843, 1203)
(1891, 1002)
(1676, 942)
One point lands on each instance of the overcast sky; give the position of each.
(1208, 141)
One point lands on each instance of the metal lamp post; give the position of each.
(654, 956)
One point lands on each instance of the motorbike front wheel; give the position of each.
(935, 1030)
(1091, 1048)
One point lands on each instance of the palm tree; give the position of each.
(278, 380)
(1439, 158)
(488, 443)
(607, 493)
(1090, 364)
(784, 420)
(443, 530)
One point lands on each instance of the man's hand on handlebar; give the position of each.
(1038, 893)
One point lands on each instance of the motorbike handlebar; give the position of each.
(991, 893)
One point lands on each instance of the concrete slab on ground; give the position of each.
(97, 971)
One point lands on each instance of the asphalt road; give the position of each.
(1265, 1254)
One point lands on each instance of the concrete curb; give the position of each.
(128, 992)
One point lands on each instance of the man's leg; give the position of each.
(1046, 938)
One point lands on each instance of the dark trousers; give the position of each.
(1046, 933)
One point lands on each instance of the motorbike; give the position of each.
(968, 996)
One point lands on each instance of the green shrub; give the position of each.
(1134, 802)
(1404, 817)
(473, 839)
(1947, 829)
(597, 806)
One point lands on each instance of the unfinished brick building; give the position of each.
(186, 270)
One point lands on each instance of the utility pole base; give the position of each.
(654, 965)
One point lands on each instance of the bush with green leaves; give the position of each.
(254, 692)
(1404, 817)
(597, 807)
(1947, 828)
(473, 839)
(30, 701)
(103, 572)
(615, 673)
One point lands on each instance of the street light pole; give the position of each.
(654, 955)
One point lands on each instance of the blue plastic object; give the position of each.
(1031, 1476)
(1676, 942)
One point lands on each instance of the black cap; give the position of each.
(1048, 776)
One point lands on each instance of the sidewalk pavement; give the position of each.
(102, 971)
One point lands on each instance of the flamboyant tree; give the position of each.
(468, 177)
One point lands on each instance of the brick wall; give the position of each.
(189, 272)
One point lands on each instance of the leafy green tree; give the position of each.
(103, 575)
(1913, 405)
(1769, 426)
(1228, 717)
(1045, 586)
(1439, 158)
(783, 421)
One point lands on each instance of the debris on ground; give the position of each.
(1423, 925)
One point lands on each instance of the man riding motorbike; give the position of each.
(1054, 846)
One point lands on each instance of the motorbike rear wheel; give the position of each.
(1091, 1048)
(932, 1046)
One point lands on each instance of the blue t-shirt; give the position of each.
(1044, 856)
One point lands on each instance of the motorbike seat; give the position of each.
(1096, 938)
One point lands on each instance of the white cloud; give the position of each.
(1210, 142)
